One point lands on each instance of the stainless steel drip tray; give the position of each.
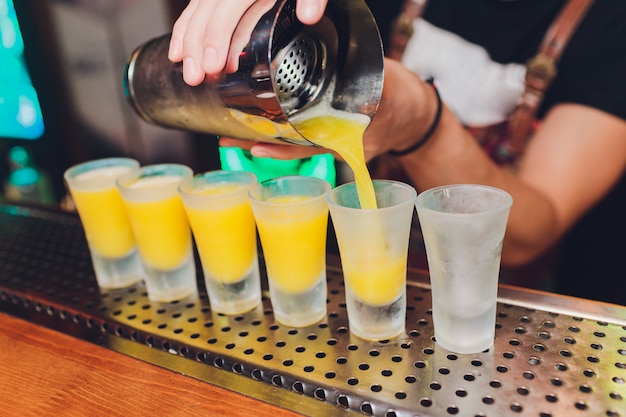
(553, 356)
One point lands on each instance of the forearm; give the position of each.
(452, 155)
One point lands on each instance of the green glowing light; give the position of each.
(319, 166)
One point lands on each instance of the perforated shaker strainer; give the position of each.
(286, 68)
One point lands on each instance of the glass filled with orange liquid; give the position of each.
(109, 235)
(292, 218)
(161, 229)
(373, 245)
(218, 208)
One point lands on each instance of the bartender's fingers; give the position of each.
(310, 11)
(175, 52)
(238, 143)
(274, 150)
(207, 36)
(219, 31)
(241, 36)
(202, 37)
(186, 41)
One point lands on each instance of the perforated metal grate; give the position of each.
(552, 356)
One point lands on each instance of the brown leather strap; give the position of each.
(402, 28)
(563, 27)
(541, 70)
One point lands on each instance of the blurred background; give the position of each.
(61, 97)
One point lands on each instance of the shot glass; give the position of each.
(161, 228)
(107, 228)
(373, 246)
(463, 227)
(292, 217)
(218, 208)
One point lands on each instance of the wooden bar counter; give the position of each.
(47, 373)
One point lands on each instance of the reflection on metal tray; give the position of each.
(553, 356)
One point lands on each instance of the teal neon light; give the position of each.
(319, 166)
(20, 112)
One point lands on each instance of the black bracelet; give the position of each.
(428, 133)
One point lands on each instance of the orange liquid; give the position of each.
(225, 236)
(104, 217)
(375, 280)
(161, 227)
(295, 249)
(344, 136)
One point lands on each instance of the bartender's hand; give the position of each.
(392, 127)
(209, 34)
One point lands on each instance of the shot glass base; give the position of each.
(116, 273)
(467, 332)
(237, 297)
(171, 285)
(455, 347)
(300, 309)
(376, 322)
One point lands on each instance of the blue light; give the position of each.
(20, 112)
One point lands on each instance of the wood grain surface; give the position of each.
(47, 373)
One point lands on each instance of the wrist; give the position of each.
(435, 119)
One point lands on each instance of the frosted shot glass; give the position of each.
(161, 228)
(373, 246)
(292, 218)
(463, 228)
(107, 228)
(218, 208)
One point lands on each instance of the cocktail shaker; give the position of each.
(285, 69)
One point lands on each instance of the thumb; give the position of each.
(310, 11)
